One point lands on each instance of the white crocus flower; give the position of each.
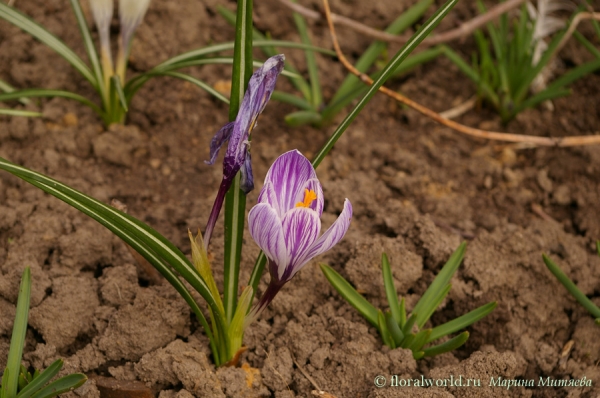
(131, 13)
(102, 11)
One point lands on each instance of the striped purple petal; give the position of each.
(333, 235)
(218, 140)
(301, 227)
(288, 176)
(266, 230)
(267, 195)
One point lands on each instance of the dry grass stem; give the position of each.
(489, 135)
(460, 109)
(463, 30)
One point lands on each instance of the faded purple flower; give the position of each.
(237, 156)
(286, 222)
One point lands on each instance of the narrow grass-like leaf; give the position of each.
(343, 287)
(4, 386)
(419, 340)
(389, 69)
(571, 287)
(47, 93)
(41, 380)
(115, 83)
(202, 264)
(575, 74)
(91, 50)
(217, 48)
(555, 88)
(408, 340)
(418, 59)
(386, 336)
(448, 346)
(204, 86)
(62, 385)
(292, 99)
(390, 289)
(138, 81)
(300, 118)
(257, 271)
(394, 329)
(236, 328)
(540, 97)
(402, 312)
(316, 97)
(7, 88)
(471, 74)
(17, 340)
(235, 199)
(462, 321)
(408, 325)
(586, 43)
(25, 23)
(19, 112)
(520, 94)
(441, 280)
(428, 307)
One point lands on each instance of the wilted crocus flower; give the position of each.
(131, 13)
(237, 156)
(286, 222)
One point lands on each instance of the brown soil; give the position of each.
(417, 190)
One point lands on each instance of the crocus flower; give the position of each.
(131, 13)
(237, 156)
(286, 222)
(102, 11)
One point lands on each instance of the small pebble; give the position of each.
(70, 120)
(155, 163)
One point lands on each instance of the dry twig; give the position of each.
(490, 135)
(463, 30)
(578, 18)
(318, 392)
(460, 109)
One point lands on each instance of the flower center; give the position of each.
(309, 196)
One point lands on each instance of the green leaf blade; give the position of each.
(448, 346)
(571, 287)
(17, 341)
(343, 287)
(462, 321)
(28, 25)
(390, 289)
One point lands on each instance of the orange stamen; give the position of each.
(309, 196)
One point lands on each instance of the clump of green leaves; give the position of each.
(398, 330)
(511, 59)
(109, 79)
(17, 382)
(572, 288)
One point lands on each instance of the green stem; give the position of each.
(235, 200)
